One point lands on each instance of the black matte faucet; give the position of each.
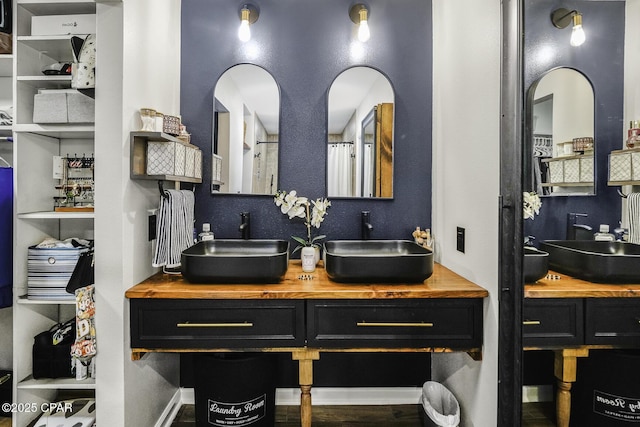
(245, 225)
(365, 225)
(577, 231)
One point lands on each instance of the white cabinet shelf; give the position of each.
(57, 384)
(6, 65)
(24, 300)
(58, 131)
(43, 50)
(56, 215)
(54, 7)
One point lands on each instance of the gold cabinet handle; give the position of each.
(531, 322)
(400, 324)
(214, 325)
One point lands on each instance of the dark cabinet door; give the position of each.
(552, 321)
(410, 323)
(179, 324)
(613, 321)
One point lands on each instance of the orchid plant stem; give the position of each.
(308, 224)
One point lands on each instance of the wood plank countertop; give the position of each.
(558, 285)
(298, 285)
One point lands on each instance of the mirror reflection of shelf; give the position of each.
(570, 171)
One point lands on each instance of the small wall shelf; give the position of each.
(624, 167)
(139, 141)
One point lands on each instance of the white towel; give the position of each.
(633, 210)
(174, 231)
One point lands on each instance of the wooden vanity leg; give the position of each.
(565, 370)
(305, 360)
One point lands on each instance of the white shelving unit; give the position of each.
(35, 219)
(6, 100)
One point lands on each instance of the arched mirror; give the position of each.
(245, 132)
(562, 134)
(360, 135)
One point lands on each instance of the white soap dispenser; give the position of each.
(206, 233)
(603, 235)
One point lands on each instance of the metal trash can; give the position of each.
(607, 390)
(235, 389)
(441, 408)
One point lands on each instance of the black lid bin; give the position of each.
(607, 390)
(235, 389)
(441, 408)
(5, 391)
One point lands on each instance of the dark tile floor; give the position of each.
(534, 415)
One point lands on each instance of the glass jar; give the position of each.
(159, 121)
(634, 138)
(147, 118)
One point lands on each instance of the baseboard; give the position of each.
(171, 410)
(338, 396)
(352, 396)
(537, 393)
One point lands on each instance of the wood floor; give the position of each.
(534, 415)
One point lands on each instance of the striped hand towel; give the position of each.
(633, 209)
(174, 230)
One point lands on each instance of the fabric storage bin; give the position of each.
(63, 106)
(49, 271)
(216, 168)
(556, 171)
(586, 169)
(572, 170)
(80, 108)
(620, 166)
(635, 166)
(190, 161)
(165, 158)
(50, 107)
(197, 173)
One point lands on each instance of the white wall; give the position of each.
(631, 81)
(227, 92)
(139, 66)
(632, 63)
(466, 163)
(573, 105)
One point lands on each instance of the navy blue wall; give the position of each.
(601, 60)
(305, 45)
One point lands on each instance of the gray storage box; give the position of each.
(80, 108)
(50, 107)
(63, 106)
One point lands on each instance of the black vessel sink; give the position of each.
(595, 261)
(377, 261)
(535, 265)
(235, 261)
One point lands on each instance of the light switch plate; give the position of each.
(460, 235)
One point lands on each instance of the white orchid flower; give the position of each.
(297, 211)
(299, 207)
(531, 204)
